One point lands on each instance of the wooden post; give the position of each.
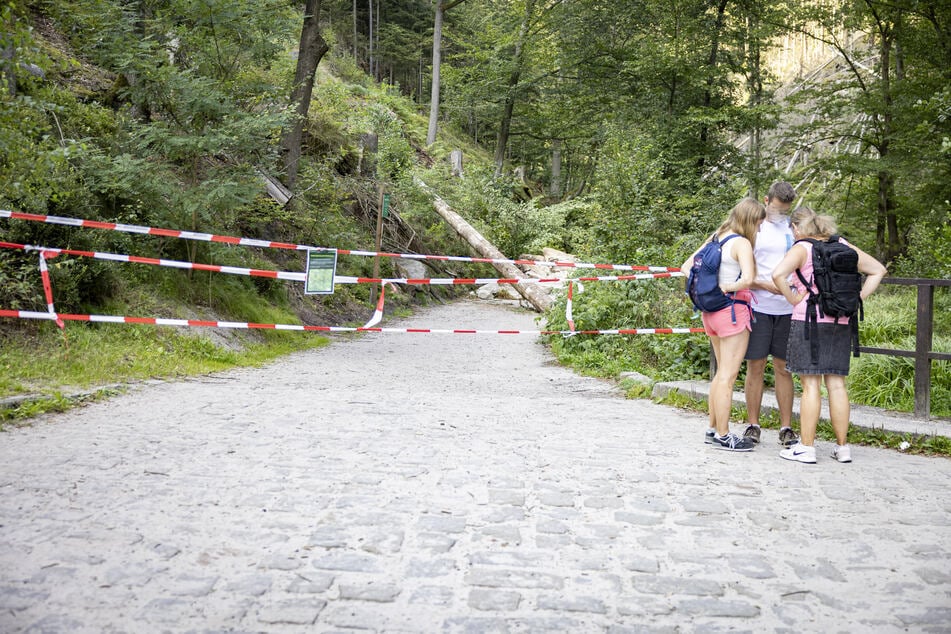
(924, 329)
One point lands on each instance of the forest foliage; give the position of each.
(619, 131)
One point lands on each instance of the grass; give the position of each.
(769, 419)
(47, 363)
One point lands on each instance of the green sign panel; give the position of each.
(321, 268)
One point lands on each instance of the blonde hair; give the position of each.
(811, 224)
(745, 219)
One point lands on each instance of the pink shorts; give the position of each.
(720, 323)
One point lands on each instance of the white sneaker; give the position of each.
(799, 453)
(842, 453)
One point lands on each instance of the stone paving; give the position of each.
(450, 483)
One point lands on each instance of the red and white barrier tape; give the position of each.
(339, 279)
(48, 287)
(178, 264)
(378, 313)
(198, 323)
(252, 242)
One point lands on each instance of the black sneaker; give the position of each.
(787, 437)
(732, 442)
(752, 432)
(708, 435)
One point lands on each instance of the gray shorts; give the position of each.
(769, 336)
(835, 349)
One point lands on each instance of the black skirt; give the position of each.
(835, 348)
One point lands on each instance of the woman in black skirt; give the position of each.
(834, 339)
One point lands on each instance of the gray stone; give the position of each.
(509, 558)
(482, 599)
(604, 502)
(573, 604)
(718, 607)
(313, 583)
(505, 496)
(939, 617)
(291, 612)
(371, 591)
(506, 534)
(347, 561)
(329, 537)
(250, 585)
(383, 542)
(165, 611)
(436, 542)
(751, 566)
(705, 504)
(442, 523)
(641, 564)
(557, 498)
(432, 595)
(639, 519)
(281, 562)
(477, 625)
(430, 567)
(15, 598)
(502, 578)
(933, 576)
(193, 586)
(655, 584)
(552, 526)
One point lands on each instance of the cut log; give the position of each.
(276, 190)
(535, 296)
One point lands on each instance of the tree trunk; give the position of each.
(505, 125)
(555, 186)
(708, 93)
(441, 7)
(355, 58)
(370, 39)
(889, 239)
(531, 292)
(437, 54)
(312, 49)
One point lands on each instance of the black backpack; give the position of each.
(703, 285)
(836, 275)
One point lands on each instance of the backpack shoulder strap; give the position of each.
(799, 274)
(728, 238)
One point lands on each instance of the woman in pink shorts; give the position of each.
(729, 328)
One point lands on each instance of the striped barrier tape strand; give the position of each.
(178, 264)
(198, 323)
(252, 242)
(340, 279)
(48, 287)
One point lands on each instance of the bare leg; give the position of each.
(729, 359)
(715, 344)
(838, 406)
(784, 391)
(753, 386)
(809, 407)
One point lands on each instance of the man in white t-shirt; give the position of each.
(770, 334)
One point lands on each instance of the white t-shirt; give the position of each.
(772, 241)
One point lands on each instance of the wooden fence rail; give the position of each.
(924, 331)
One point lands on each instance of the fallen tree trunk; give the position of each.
(532, 293)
